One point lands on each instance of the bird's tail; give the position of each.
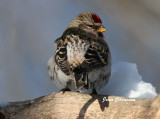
(82, 81)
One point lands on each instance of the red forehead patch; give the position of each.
(96, 18)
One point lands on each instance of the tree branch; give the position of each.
(74, 105)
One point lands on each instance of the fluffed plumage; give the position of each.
(82, 59)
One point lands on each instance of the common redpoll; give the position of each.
(82, 59)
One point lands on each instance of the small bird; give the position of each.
(82, 59)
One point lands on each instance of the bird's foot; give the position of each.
(65, 89)
(94, 91)
(78, 91)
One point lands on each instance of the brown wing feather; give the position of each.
(61, 59)
(95, 57)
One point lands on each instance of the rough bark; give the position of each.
(74, 105)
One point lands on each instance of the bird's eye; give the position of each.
(93, 26)
(90, 25)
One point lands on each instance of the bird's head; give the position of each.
(90, 22)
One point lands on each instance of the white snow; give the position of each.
(126, 81)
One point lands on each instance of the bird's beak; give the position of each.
(101, 29)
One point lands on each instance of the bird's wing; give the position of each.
(103, 51)
(61, 58)
(96, 56)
